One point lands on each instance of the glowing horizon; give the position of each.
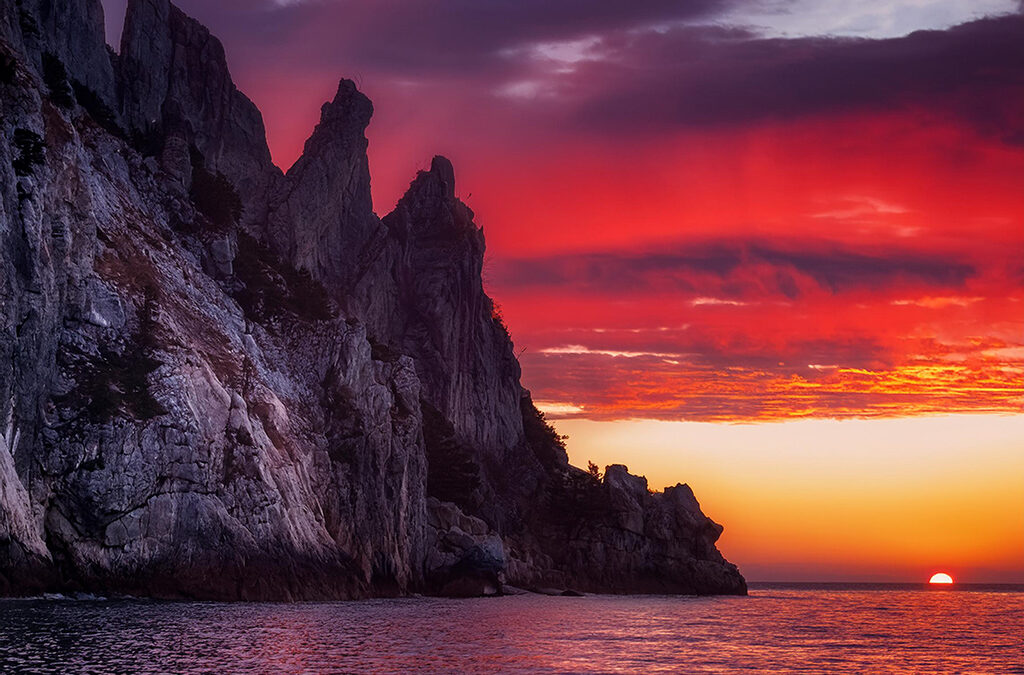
(840, 500)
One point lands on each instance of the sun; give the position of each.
(940, 578)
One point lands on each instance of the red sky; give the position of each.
(705, 211)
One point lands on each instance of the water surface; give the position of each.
(794, 628)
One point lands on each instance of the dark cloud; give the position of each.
(840, 270)
(415, 36)
(722, 267)
(651, 66)
(601, 272)
(691, 76)
(466, 34)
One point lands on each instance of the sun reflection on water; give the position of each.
(776, 628)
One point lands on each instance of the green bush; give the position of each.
(547, 445)
(213, 194)
(117, 383)
(149, 143)
(382, 352)
(8, 68)
(56, 79)
(498, 317)
(97, 109)
(30, 148)
(453, 474)
(272, 288)
(578, 496)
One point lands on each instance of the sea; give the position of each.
(805, 628)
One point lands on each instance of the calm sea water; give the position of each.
(778, 628)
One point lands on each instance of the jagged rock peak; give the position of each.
(174, 80)
(442, 169)
(435, 187)
(430, 207)
(341, 130)
(350, 108)
(323, 218)
(343, 120)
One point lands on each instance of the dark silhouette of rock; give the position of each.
(218, 381)
(464, 355)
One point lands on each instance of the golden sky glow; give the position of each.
(885, 499)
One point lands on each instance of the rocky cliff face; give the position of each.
(327, 194)
(176, 92)
(220, 381)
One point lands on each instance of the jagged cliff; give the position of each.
(218, 380)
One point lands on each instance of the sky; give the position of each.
(771, 248)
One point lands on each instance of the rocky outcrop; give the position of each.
(72, 31)
(414, 280)
(217, 381)
(171, 444)
(323, 220)
(615, 535)
(174, 84)
(463, 351)
(465, 557)
(20, 536)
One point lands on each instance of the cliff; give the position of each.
(221, 381)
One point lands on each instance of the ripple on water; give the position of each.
(778, 629)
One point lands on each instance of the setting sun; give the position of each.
(941, 578)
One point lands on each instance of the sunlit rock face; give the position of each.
(219, 381)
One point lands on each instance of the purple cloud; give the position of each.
(713, 267)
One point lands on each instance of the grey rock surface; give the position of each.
(72, 30)
(174, 79)
(291, 399)
(465, 557)
(323, 217)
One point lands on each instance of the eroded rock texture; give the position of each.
(221, 381)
